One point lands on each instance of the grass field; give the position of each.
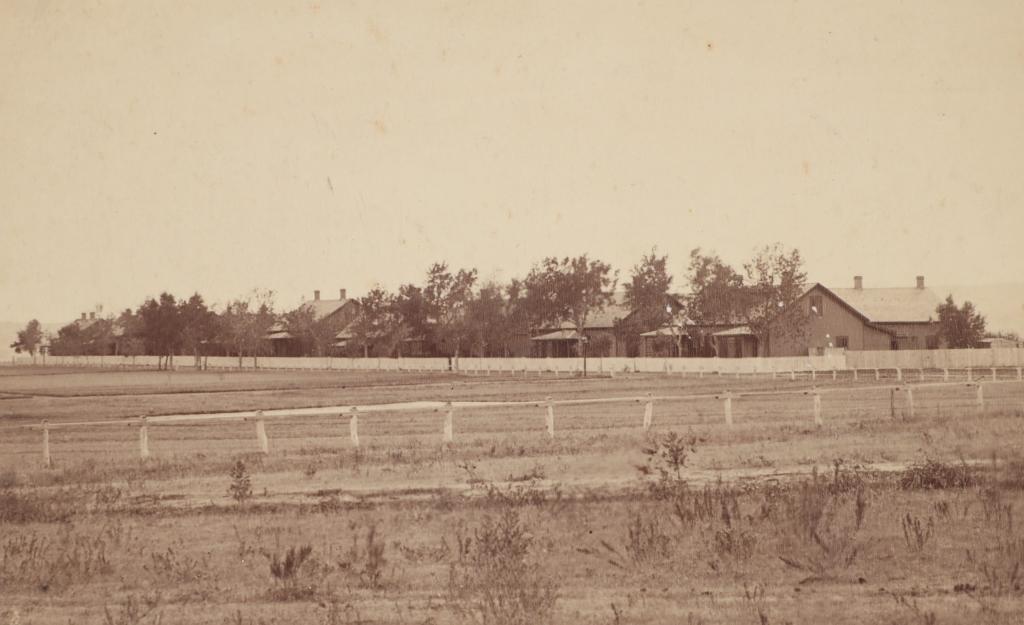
(873, 516)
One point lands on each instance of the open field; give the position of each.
(400, 527)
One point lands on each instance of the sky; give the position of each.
(219, 146)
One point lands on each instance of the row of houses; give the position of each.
(848, 318)
(832, 318)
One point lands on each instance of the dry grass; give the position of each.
(505, 526)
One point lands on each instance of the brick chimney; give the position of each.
(858, 282)
(92, 315)
(341, 294)
(83, 316)
(316, 295)
(920, 282)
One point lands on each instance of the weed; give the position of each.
(996, 512)
(133, 610)
(933, 474)
(1000, 564)
(666, 456)
(497, 583)
(178, 567)
(366, 563)
(915, 533)
(241, 483)
(37, 561)
(814, 537)
(287, 574)
(535, 473)
(646, 542)
(921, 616)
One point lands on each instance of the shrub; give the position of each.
(933, 474)
(241, 484)
(496, 582)
(666, 456)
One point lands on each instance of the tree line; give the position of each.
(454, 313)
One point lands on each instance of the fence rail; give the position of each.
(823, 404)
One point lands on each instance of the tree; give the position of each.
(960, 327)
(198, 326)
(244, 324)
(570, 289)
(446, 296)
(376, 328)
(28, 340)
(410, 312)
(301, 325)
(68, 341)
(128, 339)
(161, 327)
(775, 280)
(647, 296)
(716, 294)
(488, 327)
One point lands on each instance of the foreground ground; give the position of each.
(624, 526)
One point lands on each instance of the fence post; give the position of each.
(892, 403)
(1020, 374)
(551, 418)
(817, 408)
(921, 372)
(261, 433)
(910, 401)
(353, 426)
(980, 399)
(970, 376)
(814, 374)
(993, 374)
(449, 432)
(878, 376)
(899, 374)
(727, 404)
(143, 438)
(945, 375)
(855, 375)
(792, 374)
(648, 412)
(46, 444)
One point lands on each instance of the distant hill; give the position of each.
(1002, 304)
(9, 334)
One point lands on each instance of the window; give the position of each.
(843, 342)
(816, 306)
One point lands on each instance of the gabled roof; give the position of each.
(892, 305)
(324, 307)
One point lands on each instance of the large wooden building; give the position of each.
(859, 318)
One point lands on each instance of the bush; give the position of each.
(494, 580)
(241, 484)
(933, 474)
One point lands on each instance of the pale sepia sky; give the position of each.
(218, 146)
